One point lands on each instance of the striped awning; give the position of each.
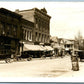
(28, 47)
(48, 48)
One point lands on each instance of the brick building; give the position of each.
(41, 20)
(10, 28)
(26, 31)
(27, 28)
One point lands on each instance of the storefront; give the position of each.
(8, 46)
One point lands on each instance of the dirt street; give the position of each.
(36, 68)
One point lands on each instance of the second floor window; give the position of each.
(14, 30)
(30, 35)
(36, 36)
(1, 28)
(24, 34)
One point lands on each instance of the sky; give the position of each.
(67, 18)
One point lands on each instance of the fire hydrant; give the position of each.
(75, 64)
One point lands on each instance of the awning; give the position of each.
(48, 48)
(78, 50)
(44, 48)
(28, 47)
(58, 47)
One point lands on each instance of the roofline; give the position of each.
(28, 21)
(11, 11)
(34, 10)
(26, 10)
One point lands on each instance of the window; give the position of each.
(2, 28)
(48, 39)
(45, 38)
(14, 30)
(68, 45)
(36, 36)
(36, 23)
(8, 30)
(27, 35)
(39, 37)
(30, 35)
(24, 34)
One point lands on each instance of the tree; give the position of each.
(79, 40)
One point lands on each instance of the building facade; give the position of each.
(58, 45)
(69, 46)
(26, 31)
(41, 20)
(10, 28)
(27, 28)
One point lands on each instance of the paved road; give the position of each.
(36, 68)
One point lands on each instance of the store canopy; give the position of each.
(44, 48)
(77, 50)
(48, 48)
(58, 47)
(28, 47)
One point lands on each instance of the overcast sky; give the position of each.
(67, 18)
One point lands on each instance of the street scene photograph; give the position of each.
(41, 41)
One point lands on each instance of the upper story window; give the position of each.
(37, 23)
(14, 30)
(43, 38)
(9, 29)
(36, 36)
(39, 37)
(27, 35)
(30, 36)
(48, 39)
(1, 28)
(24, 34)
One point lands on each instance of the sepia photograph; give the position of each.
(41, 41)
